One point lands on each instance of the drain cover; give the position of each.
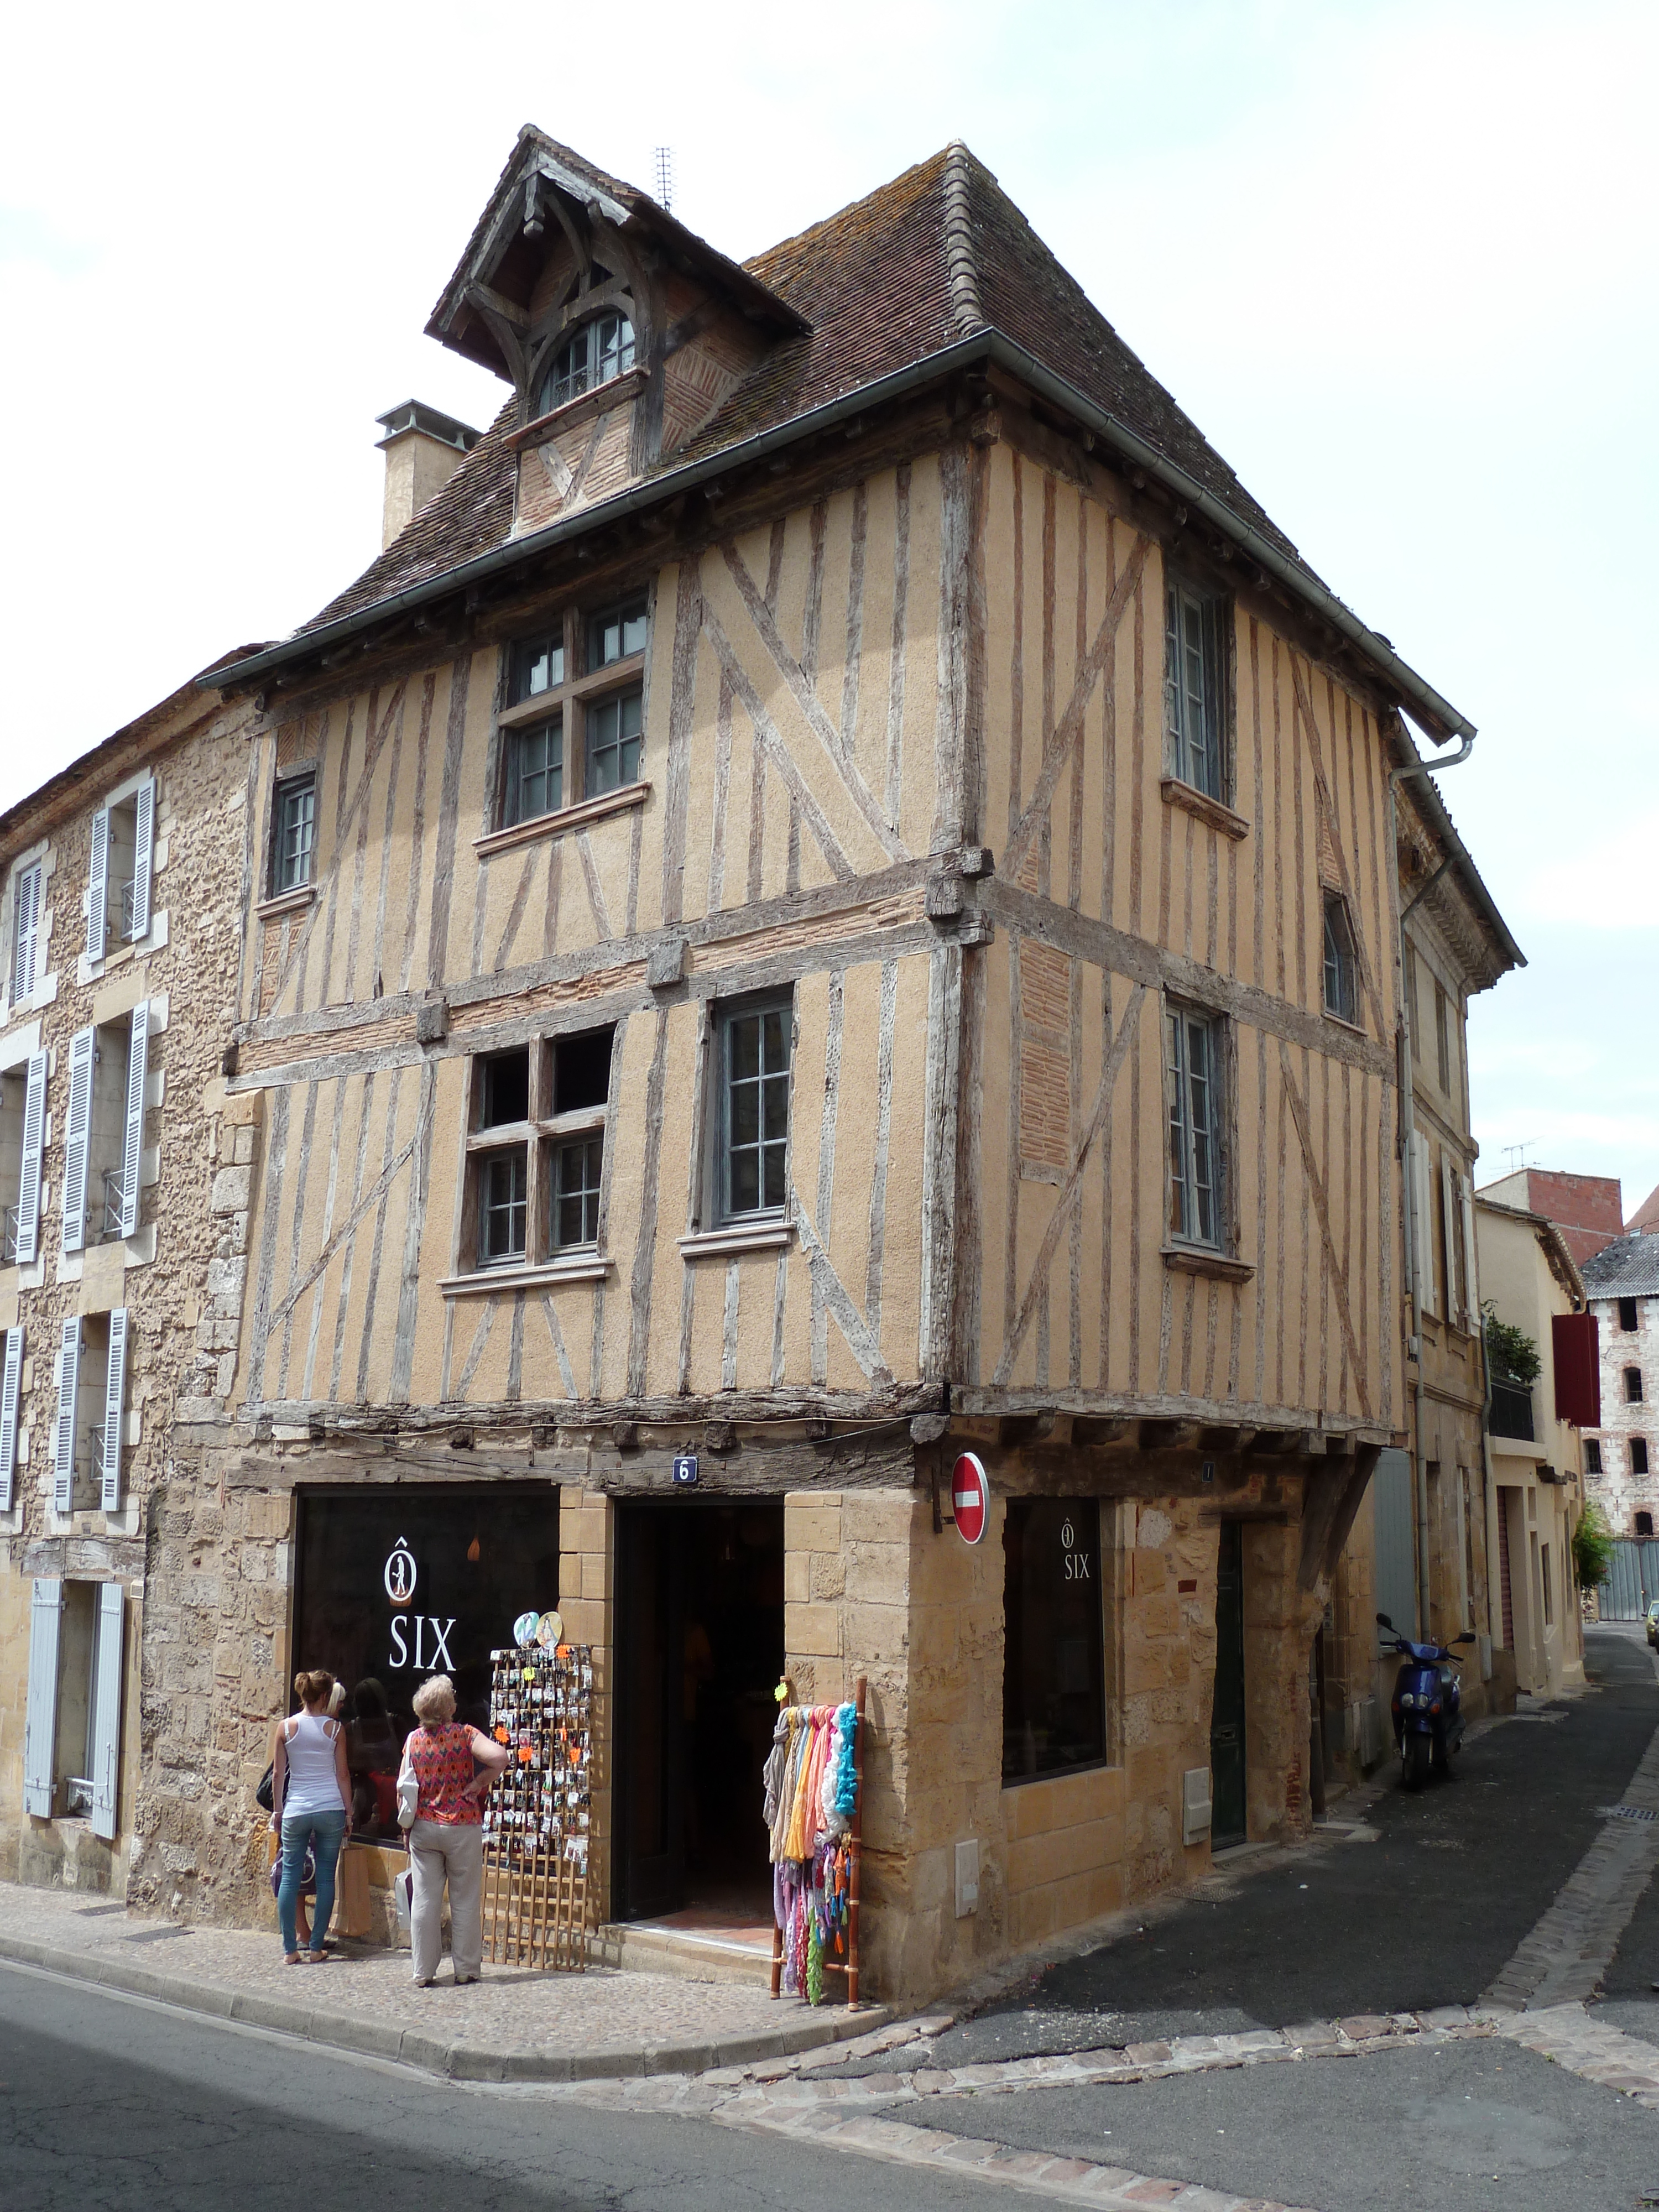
(1626, 1812)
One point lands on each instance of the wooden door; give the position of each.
(1227, 1817)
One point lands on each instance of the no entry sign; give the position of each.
(970, 1498)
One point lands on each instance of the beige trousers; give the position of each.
(437, 1854)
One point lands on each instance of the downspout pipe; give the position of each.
(1407, 1127)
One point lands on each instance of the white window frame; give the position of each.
(1183, 1160)
(139, 793)
(725, 1017)
(1195, 722)
(11, 1375)
(1341, 953)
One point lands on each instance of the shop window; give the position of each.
(393, 1586)
(537, 1151)
(87, 1431)
(118, 886)
(1054, 1689)
(1645, 1524)
(1592, 1455)
(1194, 687)
(1340, 994)
(294, 833)
(1627, 1316)
(1632, 1386)
(1638, 1454)
(27, 893)
(72, 1734)
(754, 1045)
(104, 1130)
(573, 727)
(1193, 1075)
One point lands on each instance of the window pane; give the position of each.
(506, 1089)
(503, 1182)
(613, 743)
(535, 772)
(746, 1111)
(537, 666)
(746, 1182)
(296, 816)
(618, 632)
(743, 1031)
(576, 1198)
(1053, 1703)
(756, 1109)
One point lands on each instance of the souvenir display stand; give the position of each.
(815, 1809)
(537, 1817)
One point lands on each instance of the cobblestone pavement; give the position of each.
(510, 2025)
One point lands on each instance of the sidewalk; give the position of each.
(512, 2026)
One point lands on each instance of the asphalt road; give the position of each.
(109, 2105)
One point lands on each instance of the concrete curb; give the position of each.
(408, 2046)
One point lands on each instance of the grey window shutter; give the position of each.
(41, 1724)
(28, 1185)
(77, 1133)
(106, 1776)
(11, 1375)
(1471, 1270)
(143, 810)
(69, 1383)
(114, 1399)
(25, 952)
(97, 886)
(1428, 1291)
(138, 1069)
(1448, 1230)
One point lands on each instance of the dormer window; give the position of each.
(597, 352)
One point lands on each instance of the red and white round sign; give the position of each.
(970, 1498)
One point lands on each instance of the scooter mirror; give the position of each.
(1383, 1621)
(1468, 1637)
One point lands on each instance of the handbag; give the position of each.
(308, 1872)
(263, 1796)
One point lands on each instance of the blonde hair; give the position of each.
(313, 1687)
(434, 1701)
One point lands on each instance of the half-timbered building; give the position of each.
(826, 903)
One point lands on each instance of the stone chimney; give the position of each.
(422, 449)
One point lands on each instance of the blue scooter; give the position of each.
(1427, 1705)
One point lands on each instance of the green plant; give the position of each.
(1592, 1548)
(1511, 1351)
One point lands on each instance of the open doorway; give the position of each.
(699, 1647)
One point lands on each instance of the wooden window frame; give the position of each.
(540, 1137)
(284, 788)
(1214, 609)
(582, 689)
(1334, 909)
(546, 401)
(1183, 1239)
(722, 1216)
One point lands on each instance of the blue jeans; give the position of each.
(323, 1832)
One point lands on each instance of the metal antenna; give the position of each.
(1516, 1154)
(665, 167)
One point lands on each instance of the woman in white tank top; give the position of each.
(311, 1807)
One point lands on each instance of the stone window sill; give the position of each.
(587, 405)
(579, 1268)
(1208, 809)
(1341, 1022)
(736, 1237)
(1196, 1260)
(566, 818)
(294, 902)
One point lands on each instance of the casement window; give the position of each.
(293, 833)
(574, 725)
(1592, 1455)
(119, 881)
(755, 1044)
(1456, 1231)
(595, 354)
(536, 1152)
(1428, 1277)
(1342, 997)
(1632, 1386)
(88, 1432)
(28, 889)
(72, 1728)
(1638, 1454)
(11, 1376)
(1195, 1084)
(22, 1139)
(1627, 1316)
(104, 1130)
(1054, 1678)
(1194, 687)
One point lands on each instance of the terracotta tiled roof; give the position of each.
(936, 254)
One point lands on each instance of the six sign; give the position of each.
(970, 1497)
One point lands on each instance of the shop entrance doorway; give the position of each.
(699, 1649)
(1227, 1770)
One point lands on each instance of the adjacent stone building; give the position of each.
(126, 1227)
(1622, 1472)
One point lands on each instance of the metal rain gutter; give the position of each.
(982, 344)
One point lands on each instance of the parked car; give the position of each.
(1651, 1622)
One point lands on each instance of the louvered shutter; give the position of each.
(1471, 1271)
(25, 951)
(11, 1376)
(143, 810)
(115, 1385)
(40, 1723)
(69, 1383)
(1427, 1289)
(106, 1776)
(28, 1185)
(138, 1069)
(97, 886)
(77, 1135)
(1448, 1230)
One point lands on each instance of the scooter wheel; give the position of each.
(1414, 1761)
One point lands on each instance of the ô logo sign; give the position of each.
(970, 1497)
(400, 1572)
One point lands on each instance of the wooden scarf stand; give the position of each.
(855, 1855)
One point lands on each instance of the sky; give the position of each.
(1396, 260)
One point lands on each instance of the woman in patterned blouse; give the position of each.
(446, 1840)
